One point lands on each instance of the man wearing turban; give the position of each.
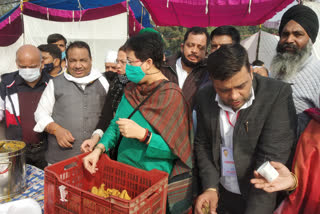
(294, 62)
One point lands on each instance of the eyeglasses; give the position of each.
(130, 62)
(123, 62)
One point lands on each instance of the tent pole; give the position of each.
(127, 1)
(22, 22)
(258, 45)
(141, 13)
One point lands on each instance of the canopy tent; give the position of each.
(138, 13)
(266, 48)
(102, 24)
(70, 10)
(206, 13)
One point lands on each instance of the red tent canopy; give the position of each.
(206, 13)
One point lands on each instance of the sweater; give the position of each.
(306, 85)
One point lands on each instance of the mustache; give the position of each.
(193, 55)
(281, 48)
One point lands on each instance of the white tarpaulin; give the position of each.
(267, 47)
(8, 56)
(100, 34)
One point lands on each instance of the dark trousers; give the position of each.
(35, 155)
(230, 203)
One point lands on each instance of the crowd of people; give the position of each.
(209, 120)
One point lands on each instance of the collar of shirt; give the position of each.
(178, 64)
(229, 109)
(60, 72)
(181, 73)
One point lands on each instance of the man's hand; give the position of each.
(64, 137)
(284, 181)
(129, 129)
(89, 144)
(208, 198)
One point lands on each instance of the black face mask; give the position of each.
(110, 75)
(189, 63)
(48, 68)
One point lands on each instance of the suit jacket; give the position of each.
(197, 78)
(269, 135)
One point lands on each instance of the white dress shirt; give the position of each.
(230, 183)
(182, 74)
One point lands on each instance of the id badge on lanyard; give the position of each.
(228, 167)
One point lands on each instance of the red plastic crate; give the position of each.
(148, 189)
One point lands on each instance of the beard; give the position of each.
(286, 64)
(188, 63)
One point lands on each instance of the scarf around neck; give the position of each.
(92, 76)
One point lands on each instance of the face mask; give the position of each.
(134, 73)
(48, 67)
(29, 74)
(63, 55)
(110, 75)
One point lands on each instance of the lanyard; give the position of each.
(227, 113)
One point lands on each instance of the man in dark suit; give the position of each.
(243, 120)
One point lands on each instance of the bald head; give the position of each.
(28, 56)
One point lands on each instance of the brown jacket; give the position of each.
(198, 77)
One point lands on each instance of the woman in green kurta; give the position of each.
(155, 155)
(157, 136)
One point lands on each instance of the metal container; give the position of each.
(12, 168)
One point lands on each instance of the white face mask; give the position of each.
(29, 74)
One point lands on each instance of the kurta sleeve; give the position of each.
(45, 107)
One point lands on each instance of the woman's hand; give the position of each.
(90, 161)
(130, 129)
(89, 144)
(284, 181)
